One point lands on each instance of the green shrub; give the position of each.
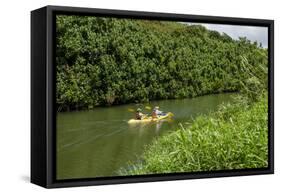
(107, 61)
(235, 137)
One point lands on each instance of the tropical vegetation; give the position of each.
(106, 61)
(234, 137)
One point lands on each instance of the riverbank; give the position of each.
(104, 139)
(234, 137)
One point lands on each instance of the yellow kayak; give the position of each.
(150, 119)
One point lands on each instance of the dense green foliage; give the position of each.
(235, 137)
(105, 61)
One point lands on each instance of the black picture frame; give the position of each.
(43, 110)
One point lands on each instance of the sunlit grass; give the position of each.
(235, 137)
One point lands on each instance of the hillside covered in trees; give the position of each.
(106, 61)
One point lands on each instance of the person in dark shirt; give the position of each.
(139, 114)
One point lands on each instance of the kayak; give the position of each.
(150, 119)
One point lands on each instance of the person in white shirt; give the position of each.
(156, 112)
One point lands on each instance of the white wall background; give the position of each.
(15, 94)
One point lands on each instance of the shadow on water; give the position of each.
(100, 142)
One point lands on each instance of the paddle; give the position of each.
(133, 110)
(148, 107)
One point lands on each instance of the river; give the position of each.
(97, 143)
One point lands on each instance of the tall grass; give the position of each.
(235, 137)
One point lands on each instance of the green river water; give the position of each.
(97, 143)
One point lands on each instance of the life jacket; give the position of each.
(138, 116)
(154, 114)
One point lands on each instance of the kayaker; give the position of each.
(139, 114)
(156, 112)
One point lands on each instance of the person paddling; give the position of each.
(156, 112)
(139, 114)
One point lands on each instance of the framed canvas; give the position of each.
(126, 96)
